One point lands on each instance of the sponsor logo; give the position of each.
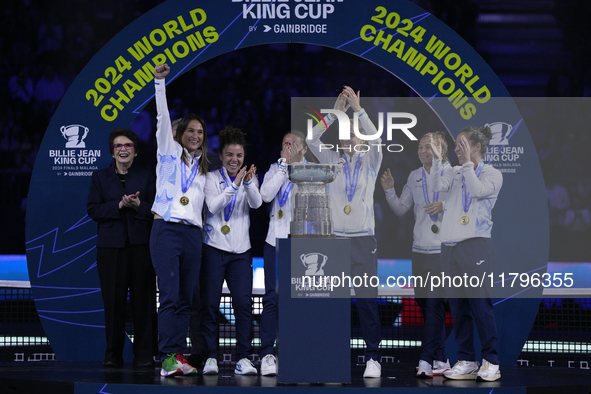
(281, 9)
(75, 160)
(501, 154)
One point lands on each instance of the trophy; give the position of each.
(311, 215)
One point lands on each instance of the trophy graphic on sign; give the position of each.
(74, 135)
(314, 262)
(501, 132)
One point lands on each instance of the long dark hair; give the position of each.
(478, 135)
(180, 130)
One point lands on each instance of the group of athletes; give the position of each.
(200, 237)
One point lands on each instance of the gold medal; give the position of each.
(434, 229)
(184, 200)
(225, 229)
(464, 220)
(347, 209)
(280, 214)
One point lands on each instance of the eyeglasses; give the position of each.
(127, 146)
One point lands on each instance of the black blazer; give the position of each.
(105, 193)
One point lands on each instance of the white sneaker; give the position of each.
(488, 372)
(439, 367)
(462, 370)
(425, 371)
(245, 367)
(269, 365)
(211, 367)
(373, 369)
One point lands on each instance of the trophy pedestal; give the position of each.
(314, 324)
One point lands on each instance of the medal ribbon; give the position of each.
(184, 183)
(426, 192)
(283, 198)
(466, 199)
(351, 185)
(230, 207)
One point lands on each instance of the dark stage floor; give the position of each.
(91, 377)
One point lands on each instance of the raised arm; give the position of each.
(374, 155)
(441, 182)
(399, 205)
(322, 153)
(163, 125)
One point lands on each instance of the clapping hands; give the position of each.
(130, 201)
(251, 172)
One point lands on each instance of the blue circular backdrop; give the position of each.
(114, 87)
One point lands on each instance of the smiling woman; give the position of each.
(230, 193)
(119, 200)
(190, 133)
(175, 242)
(192, 137)
(123, 153)
(232, 157)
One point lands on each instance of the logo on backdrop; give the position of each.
(502, 156)
(74, 135)
(405, 40)
(75, 160)
(501, 132)
(314, 263)
(311, 18)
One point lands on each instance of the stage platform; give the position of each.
(91, 377)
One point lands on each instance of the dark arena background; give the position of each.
(538, 49)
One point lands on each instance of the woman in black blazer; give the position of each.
(120, 200)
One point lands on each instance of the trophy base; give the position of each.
(311, 236)
(311, 229)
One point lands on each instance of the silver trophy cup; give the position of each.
(311, 216)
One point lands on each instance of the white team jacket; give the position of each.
(424, 240)
(168, 170)
(217, 197)
(361, 220)
(484, 191)
(277, 179)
